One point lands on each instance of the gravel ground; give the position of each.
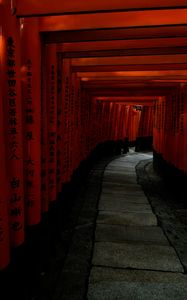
(168, 205)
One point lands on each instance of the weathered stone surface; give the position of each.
(127, 237)
(120, 179)
(110, 284)
(145, 276)
(121, 169)
(110, 186)
(122, 193)
(122, 206)
(123, 198)
(137, 256)
(130, 219)
(141, 234)
(131, 178)
(121, 172)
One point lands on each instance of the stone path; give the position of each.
(132, 258)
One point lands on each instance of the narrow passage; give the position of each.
(132, 257)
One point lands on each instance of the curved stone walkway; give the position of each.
(132, 257)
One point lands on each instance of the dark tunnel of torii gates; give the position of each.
(111, 59)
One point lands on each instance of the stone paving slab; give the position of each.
(120, 181)
(121, 178)
(115, 284)
(122, 193)
(127, 237)
(121, 198)
(120, 171)
(128, 167)
(122, 206)
(130, 219)
(128, 170)
(120, 175)
(121, 187)
(141, 234)
(136, 256)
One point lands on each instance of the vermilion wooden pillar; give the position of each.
(185, 127)
(77, 119)
(31, 100)
(65, 119)
(59, 121)
(4, 224)
(12, 102)
(181, 140)
(51, 100)
(72, 133)
(44, 137)
(75, 98)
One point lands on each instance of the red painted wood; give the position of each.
(31, 100)
(11, 90)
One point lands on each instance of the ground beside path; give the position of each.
(133, 257)
(126, 237)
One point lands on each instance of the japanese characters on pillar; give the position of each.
(181, 155)
(13, 122)
(83, 113)
(72, 124)
(31, 99)
(59, 122)
(184, 87)
(4, 222)
(51, 99)
(44, 138)
(75, 112)
(77, 120)
(65, 111)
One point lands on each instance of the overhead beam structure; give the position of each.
(117, 48)
(48, 7)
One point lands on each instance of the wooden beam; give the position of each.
(127, 52)
(154, 92)
(131, 60)
(130, 19)
(132, 74)
(126, 98)
(139, 87)
(117, 68)
(141, 103)
(47, 7)
(123, 44)
(137, 102)
(108, 34)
